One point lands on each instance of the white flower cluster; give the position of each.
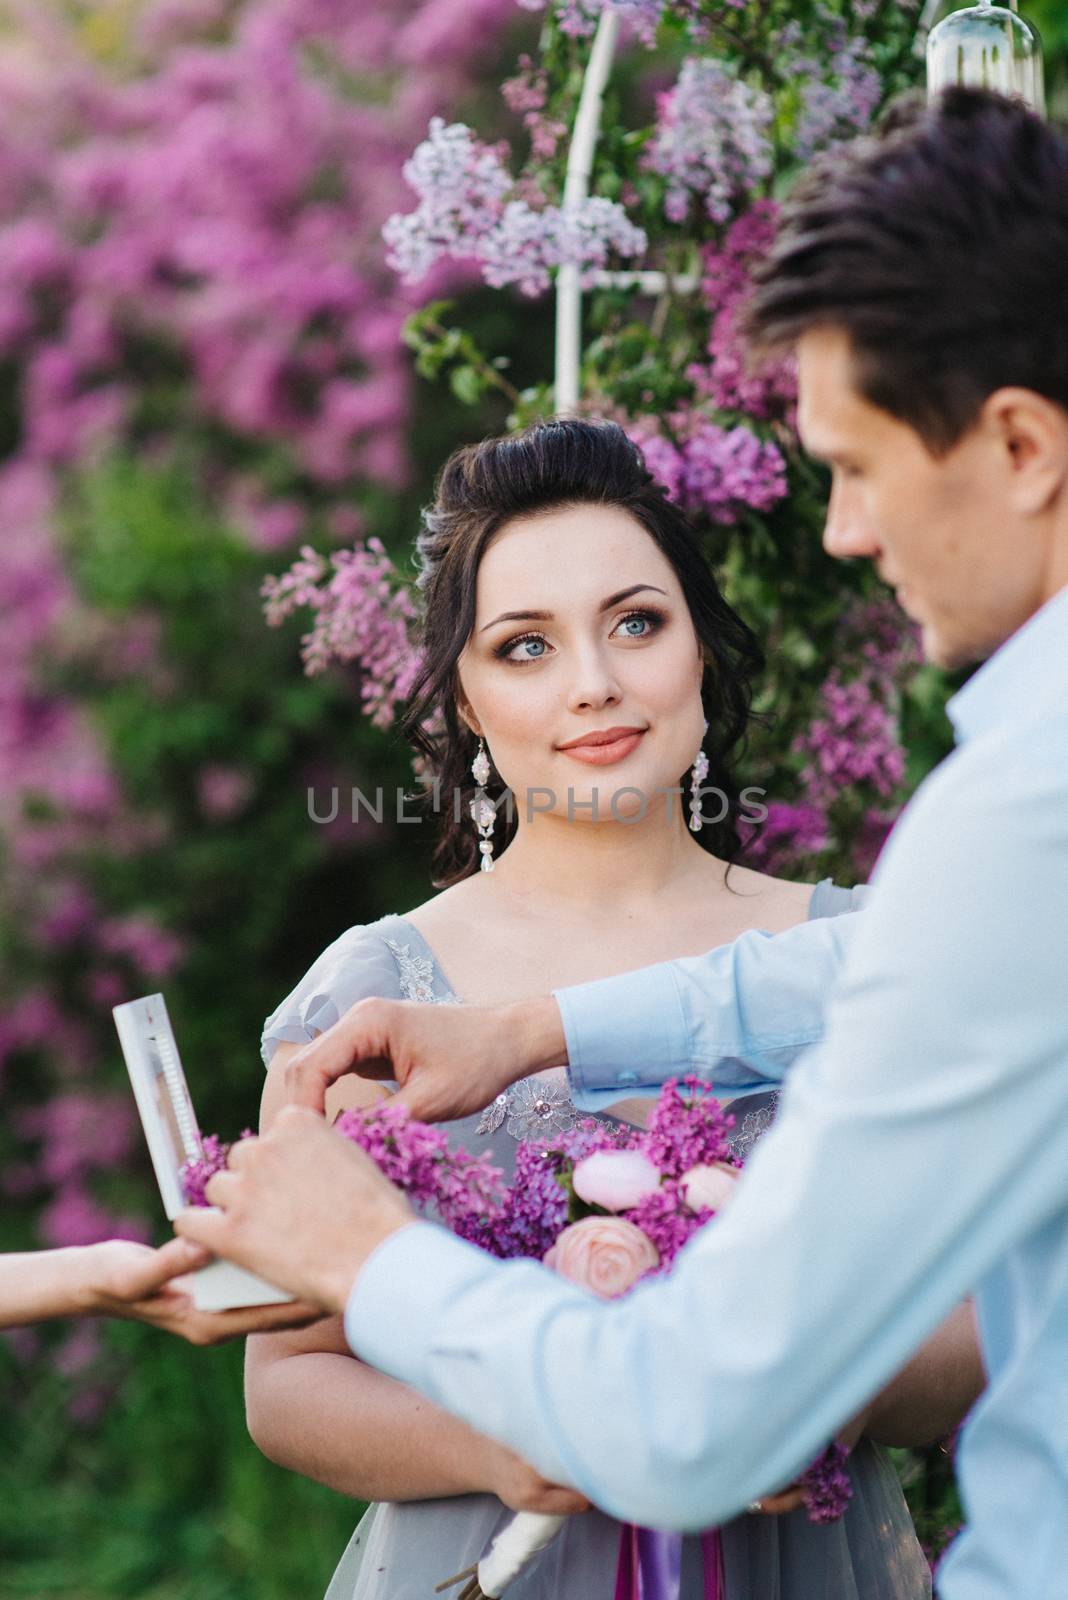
(712, 140)
(465, 214)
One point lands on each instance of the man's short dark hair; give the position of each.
(940, 246)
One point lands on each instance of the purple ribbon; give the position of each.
(650, 1564)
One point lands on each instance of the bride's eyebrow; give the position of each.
(547, 616)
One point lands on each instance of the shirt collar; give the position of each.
(1030, 667)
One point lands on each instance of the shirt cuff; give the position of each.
(623, 1033)
(401, 1294)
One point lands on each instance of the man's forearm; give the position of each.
(535, 1031)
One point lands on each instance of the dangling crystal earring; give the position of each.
(697, 777)
(483, 813)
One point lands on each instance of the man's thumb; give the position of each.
(172, 1259)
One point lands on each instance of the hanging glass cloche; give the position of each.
(989, 47)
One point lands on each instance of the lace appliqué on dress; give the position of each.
(417, 976)
(535, 1108)
(416, 972)
(493, 1116)
(753, 1126)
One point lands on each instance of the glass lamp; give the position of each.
(989, 47)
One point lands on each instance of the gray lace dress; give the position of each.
(402, 1551)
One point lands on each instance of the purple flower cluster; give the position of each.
(826, 1485)
(883, 637)
(468, 212)
(728, 380)
(726, 469)
(667, 1221)
(462, 186)
(853, 744)
(788, 834)
(536, 1204)
(195, 1174)
(853, 740)
(688, 1128)
(184, 208)
(713, 471)
(77, 1133)
(526, 94)
(712, 141)
(465, 1191)
(362, 613)
(410, 1153)
(840, 88)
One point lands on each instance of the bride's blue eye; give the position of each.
(504, 652)
(652, 622)
(635, 616)
(653, 619)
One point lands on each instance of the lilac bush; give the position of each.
(193, 292)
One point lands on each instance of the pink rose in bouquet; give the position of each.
(604, 1254)
(614, 1179)
(709, 1188)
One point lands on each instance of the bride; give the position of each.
(581, 662)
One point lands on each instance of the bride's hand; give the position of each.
(449, 1060)
(788, 1499)
(522, 1487)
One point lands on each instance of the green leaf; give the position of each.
(467, 384)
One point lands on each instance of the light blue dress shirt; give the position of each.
(920, 1154)
(738, 1017)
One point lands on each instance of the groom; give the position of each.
(921, 1149)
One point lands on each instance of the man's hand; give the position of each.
(128, 1280)
(302, 1207)
(449, 1060)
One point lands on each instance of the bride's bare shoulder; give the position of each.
(448, 908)
(782, 898)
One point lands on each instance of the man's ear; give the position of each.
(1033, 432)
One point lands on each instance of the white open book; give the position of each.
(170, 1125)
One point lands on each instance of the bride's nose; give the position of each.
(593, 684)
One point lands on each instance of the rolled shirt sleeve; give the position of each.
(738, 1017)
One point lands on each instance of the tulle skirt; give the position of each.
(402, 1552)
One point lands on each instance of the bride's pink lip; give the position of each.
(604, 755)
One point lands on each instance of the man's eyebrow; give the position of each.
(547, 616)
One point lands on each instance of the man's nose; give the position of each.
(846, 533)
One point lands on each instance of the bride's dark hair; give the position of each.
(480, 488)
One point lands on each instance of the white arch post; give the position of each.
(576, 191)
(566, 387)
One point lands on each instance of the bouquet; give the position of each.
(607, 1206)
